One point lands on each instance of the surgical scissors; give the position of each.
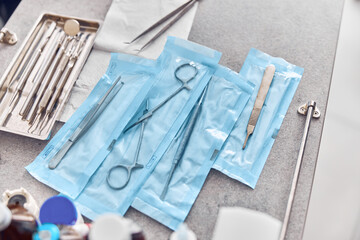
(184, 85)
(134, 165)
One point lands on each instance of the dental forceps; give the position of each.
(184, 142)
(85, 124)
(184, 85)
(182, 9)
(134, 165)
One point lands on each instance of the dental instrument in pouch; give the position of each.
(184, 142)
(134, 165)
(184, 85)
(86, 123)
(259, 102)
(182, 9)
(311, 111)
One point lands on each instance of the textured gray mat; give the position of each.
(303, 32)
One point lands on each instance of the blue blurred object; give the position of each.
(47, 231)
(58, 210)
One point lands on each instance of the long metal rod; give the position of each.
(310, 112)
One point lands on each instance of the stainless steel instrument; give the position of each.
(259, 102)
(180, 11)
(184, 85)
(183, 143)
(86, 123)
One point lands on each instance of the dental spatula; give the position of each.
(259, 102)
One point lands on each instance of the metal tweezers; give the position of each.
(86, 123)
(182, 9)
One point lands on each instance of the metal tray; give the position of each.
(8, 82)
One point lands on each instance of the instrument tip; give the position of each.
(246, 139)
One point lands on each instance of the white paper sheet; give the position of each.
(128, 18)
(124, 21)
(243, 223)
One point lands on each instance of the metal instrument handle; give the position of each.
(184, 142)
(259, 102)
(128, 169)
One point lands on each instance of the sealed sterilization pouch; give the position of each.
(171, 190)
(246, 164)
(69, 160)
(186, 68)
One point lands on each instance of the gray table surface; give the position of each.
(302, 32)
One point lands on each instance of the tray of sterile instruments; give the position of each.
(38, 81)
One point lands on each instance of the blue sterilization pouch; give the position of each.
(181, 59)
(224, 100)
(80, 162)
(246, 165)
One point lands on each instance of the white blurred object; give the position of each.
(113, 227)
(5, 216)
(243, 223)
(183, 233)
(82, 229)
(110, 227)
(23, 197)
(334, 210)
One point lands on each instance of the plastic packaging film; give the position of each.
(215, 142)
(246, 165)
(226, 97)
(80, 162)
(98, 197)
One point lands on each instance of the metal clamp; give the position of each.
(310, 111)
(8, 37)
(304, 108)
